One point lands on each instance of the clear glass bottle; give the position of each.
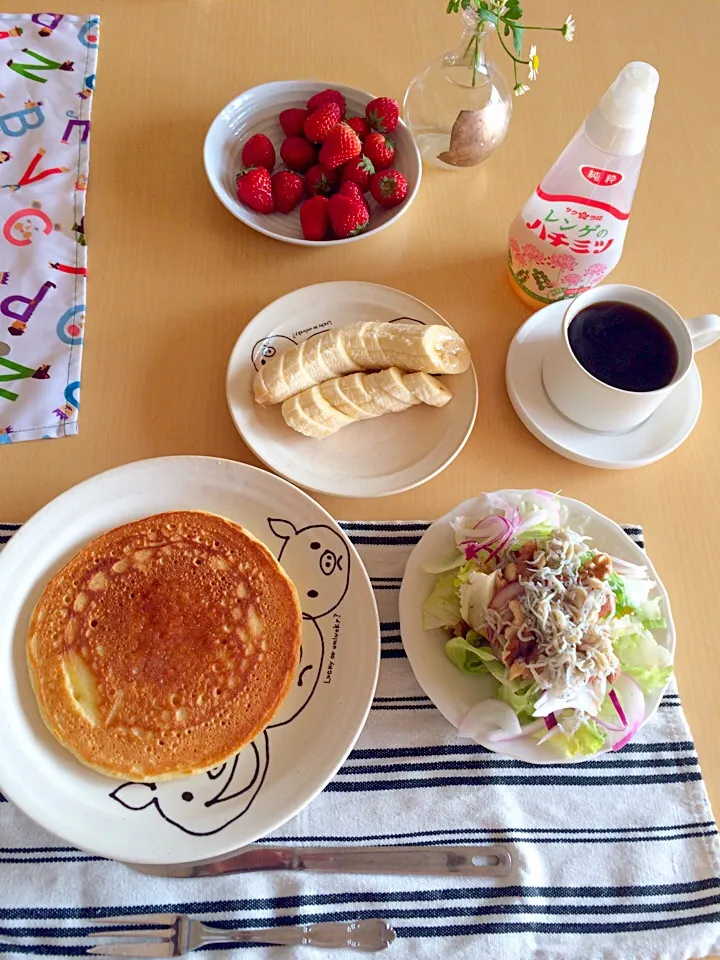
(459, 106)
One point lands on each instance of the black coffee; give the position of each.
(623, 346)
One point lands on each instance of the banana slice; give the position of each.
(358, 339)
(427, 389)
(294, 416)
(333, 392)
(430, 349)
(391, 382)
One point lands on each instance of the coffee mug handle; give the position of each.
(704, 330)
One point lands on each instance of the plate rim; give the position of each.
(405, 600)
(325, 491)
(694, 382)
(36, 520)
(301, 241)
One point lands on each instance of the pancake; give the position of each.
(164, 646)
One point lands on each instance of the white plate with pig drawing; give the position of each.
(371, 458)
(209, 815)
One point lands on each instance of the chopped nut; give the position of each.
(517, 613)
(510, 571)
(518, 669)
(599, 567)
(511, 632)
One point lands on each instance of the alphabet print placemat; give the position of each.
(47, 80)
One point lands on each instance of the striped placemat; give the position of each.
(617, 857)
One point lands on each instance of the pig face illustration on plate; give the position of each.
(318, 560)
(199, 805)
(268, 347)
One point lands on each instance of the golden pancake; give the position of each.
(164, 646)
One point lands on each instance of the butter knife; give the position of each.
(490, 861)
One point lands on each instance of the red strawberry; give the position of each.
(298, 154)
(348, 216)
(321, 121)
(327, 96)
(380, 150)
(389, 187)
(359, 125)
(319, 179)
(315, 218)
(341, 145)
(254, 189)
(288, 190)
(352, 190)
(292, 121)
(358, 171)
(382, 114)
(258, 152)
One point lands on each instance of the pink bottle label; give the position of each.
(562, 245)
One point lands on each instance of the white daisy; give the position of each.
(520, 88)
(533, 63)
(568, 29)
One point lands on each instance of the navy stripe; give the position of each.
(605, 762)
(401, 699)
(393, 638)
(396, 525)
(555, 928)
(407, 706)
(453, 749)
(390, 625)
(494, 780)
(83, 859)
(295, 901)
(407, 541)
(392, 654)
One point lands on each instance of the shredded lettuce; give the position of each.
(468, 657)
(586, 741)
(540, 532)
(442, 607)
(519, 694)
(623, 604)
(643, 659)
(463, 574)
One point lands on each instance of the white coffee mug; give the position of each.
(583, 398)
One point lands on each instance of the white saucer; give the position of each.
(659, 435)
(371, 458)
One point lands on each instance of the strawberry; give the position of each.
(298, 154)
(292, 121)
(348, 216)
(258, 152)
(358, 171)
(319, 179)
(342, 144)
(321, 121)
(389, 187)
(382, 114)
(315, 218)
(352, 190)
(380, 150)
(327, 96)
(254, 189)
(288, 189)
(359, 125)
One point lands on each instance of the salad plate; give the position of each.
(211, 814)
(371, 458)
(559, 657)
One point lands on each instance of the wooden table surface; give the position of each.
(174, 277)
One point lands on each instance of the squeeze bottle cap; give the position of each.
(620, 122)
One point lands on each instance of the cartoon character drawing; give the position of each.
(200, 806)
(5, 434)
(318, 560)
(4, 156)
(265, 349)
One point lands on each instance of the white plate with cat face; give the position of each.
(211, 814)
(370, 458)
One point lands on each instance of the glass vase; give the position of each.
(459, 106)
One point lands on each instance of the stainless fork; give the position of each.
(174, 934)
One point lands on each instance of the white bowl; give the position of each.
(256, 111)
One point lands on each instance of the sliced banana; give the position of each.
(427, 389)
(323, 409)
(366, 345)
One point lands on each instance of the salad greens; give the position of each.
(563, 631)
